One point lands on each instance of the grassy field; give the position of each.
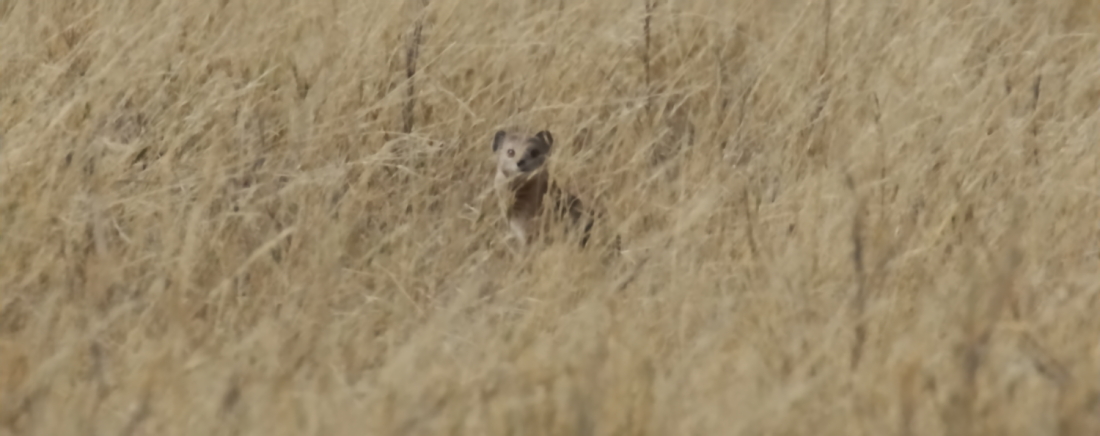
(838, 217)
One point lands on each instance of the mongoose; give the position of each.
(523, 179)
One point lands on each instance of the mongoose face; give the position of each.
(518, 155)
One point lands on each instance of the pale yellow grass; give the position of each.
(845, 217)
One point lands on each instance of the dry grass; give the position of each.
(845, 217)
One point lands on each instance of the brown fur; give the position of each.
(524, 179)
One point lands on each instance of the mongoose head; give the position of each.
(518, 154)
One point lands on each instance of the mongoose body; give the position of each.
(523, 179)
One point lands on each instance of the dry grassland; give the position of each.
(839, 217)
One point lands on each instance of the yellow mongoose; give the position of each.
(525, 182)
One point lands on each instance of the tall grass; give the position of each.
(268, 217)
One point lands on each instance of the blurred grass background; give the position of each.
(265, 217)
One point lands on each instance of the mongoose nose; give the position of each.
(521, 163)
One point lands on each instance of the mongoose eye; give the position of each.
(534, 154)
(511, 153)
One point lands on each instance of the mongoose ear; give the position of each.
(497, 140)
(545, 137)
